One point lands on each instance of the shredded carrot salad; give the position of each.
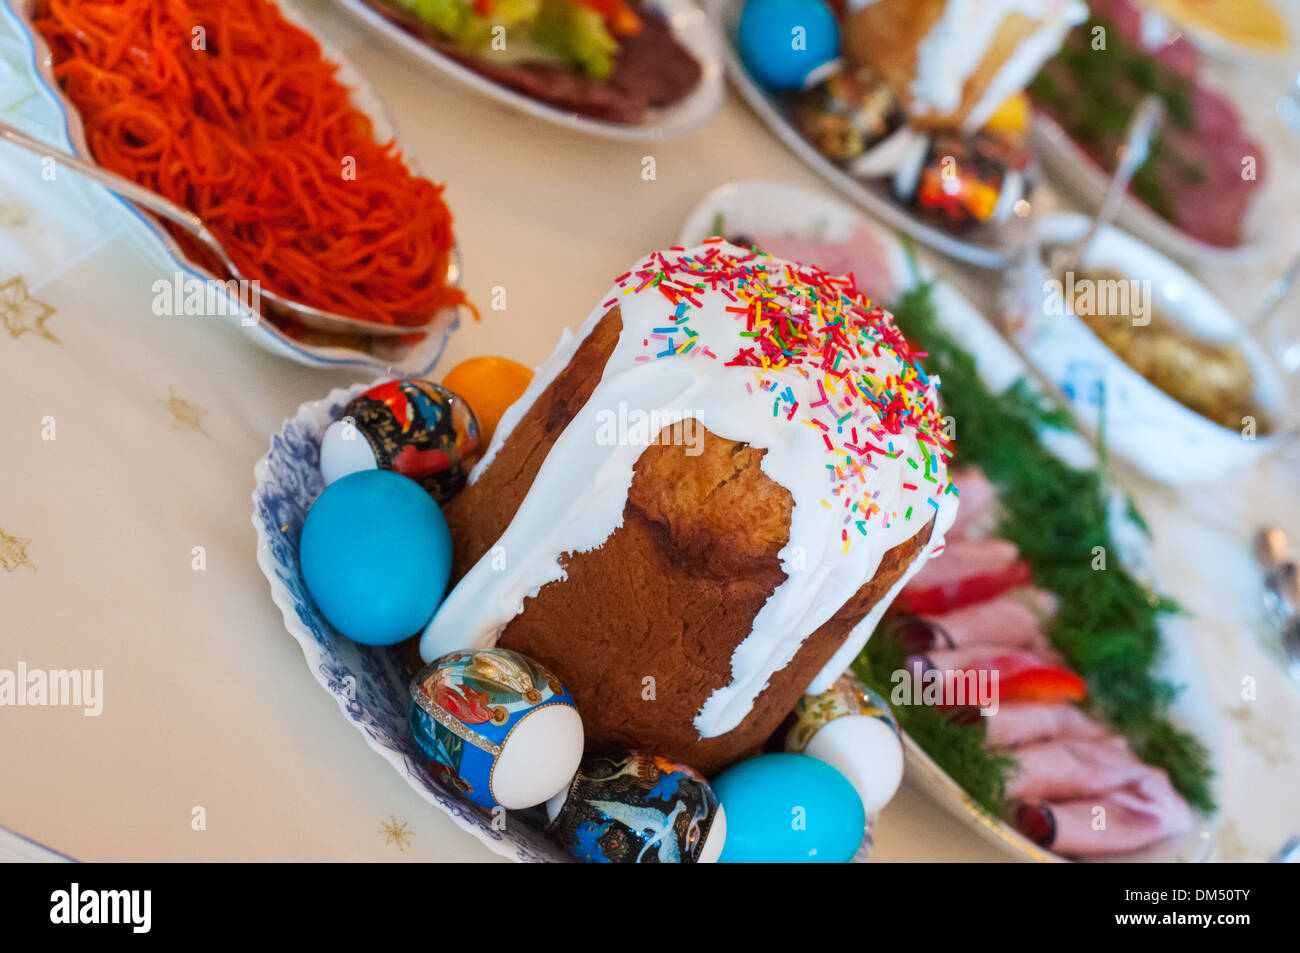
(228, 109)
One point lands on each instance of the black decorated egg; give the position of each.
(638, 809)
(412, 427)
(498, 726)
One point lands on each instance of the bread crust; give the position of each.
(643, 628)
(886, 37)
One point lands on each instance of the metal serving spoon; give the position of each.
(183, 218)
(1136, 148)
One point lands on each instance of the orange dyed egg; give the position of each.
(489, 385)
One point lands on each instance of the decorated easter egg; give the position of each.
(489, 385)
(412, 427)
(498, 726)
(375, 553)
(783, 41)
(638, 809)
(851, 728)
(789, 808)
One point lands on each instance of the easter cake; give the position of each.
(954, 62)
(703, 502)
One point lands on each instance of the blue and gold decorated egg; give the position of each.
(412, 427)
(789, 808)
(638, 809)
(499, 727)
(851, 728)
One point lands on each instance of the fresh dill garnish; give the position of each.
(957, 749)
(1107, 623)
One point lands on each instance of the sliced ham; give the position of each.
(965, 557)
(1136, 816)
(966, 572)
(1022, 723)
(1010, 621)
(976, 498)
(979, 657)
(1071, 768)
(862, 255)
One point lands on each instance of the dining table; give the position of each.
(128, 440)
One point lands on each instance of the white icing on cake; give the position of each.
(577, 499)
(962, 36)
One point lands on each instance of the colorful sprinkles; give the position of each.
(798, 319)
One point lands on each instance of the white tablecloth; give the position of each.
(157, 422)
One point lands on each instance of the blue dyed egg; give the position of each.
(376, 556)
(638, 809)
(789, 808)
(412, 427)
(497, 725)
(782, 41)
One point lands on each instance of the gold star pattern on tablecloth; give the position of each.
(395, 833)
(23, 314)
(1230, 845)
(15, 213)
(13, 552)
(1266, 738)
(185, 416)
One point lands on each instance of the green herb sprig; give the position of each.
(1107, 624)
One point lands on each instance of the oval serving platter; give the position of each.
(689, 24)
(368, 682)
(325, 351)
(778, 209)
(1068, 164)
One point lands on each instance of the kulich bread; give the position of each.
(647, 619)
(953, 62)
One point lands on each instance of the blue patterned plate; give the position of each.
(368, 682)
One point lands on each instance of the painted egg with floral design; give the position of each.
(412, 427)
(499, 727)
(638, 809)
(851, 728)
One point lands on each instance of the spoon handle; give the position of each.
(183, 218)
(1274, 294)
(1136, 149)
(136, 194)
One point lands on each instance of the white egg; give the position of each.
(713, 844)
(538, 758)
(556, 802)
(866, 751)
(344, 450)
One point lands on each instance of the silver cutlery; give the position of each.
(186, 220)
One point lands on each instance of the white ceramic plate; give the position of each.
(767, 209)
(414, 360)
(983, 248)
(1143, 425)
(688, 23)
(1068, 164)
